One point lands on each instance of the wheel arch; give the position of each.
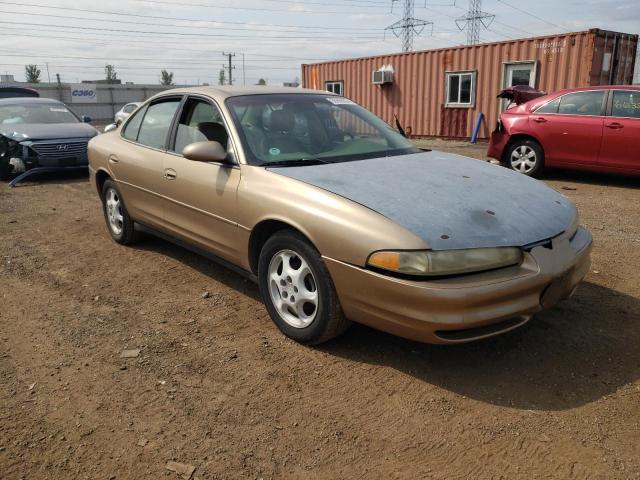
(519, 137)
(265, 229)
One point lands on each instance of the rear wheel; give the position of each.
(119, 223)
(526, 157)
(297, 290)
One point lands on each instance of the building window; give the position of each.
(335, 87)
(461, 89)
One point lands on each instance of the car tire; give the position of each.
(290, 266)
(525, 156)
(120, 225)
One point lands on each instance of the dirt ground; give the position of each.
(217, 387)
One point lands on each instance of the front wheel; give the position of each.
(525, 156)
(297, 290)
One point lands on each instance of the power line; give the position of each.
(473, 21)
(176, 19)
(408, 26)
(294, 33)
(532, 15)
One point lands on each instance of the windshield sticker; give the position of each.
(58, 109)
(340, 101)
(274, 151)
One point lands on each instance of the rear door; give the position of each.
(570, 128)
(137, 161)
(200, 197)
(621, 138)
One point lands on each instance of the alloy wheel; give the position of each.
(293, 289)
(114, 211)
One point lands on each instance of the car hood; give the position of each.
(449, 201)
(47, 131)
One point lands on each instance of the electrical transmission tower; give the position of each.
(474, 20)
(408, 26)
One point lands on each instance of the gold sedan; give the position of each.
(337, 216)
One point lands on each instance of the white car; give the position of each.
(125, 111)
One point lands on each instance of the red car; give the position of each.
(594, 128)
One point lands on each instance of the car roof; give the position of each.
(224, 92)
(27, 100)
(596, 87)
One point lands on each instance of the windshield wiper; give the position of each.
(295, 163)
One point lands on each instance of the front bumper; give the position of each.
(466, 308)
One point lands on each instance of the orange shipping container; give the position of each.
(440, 92)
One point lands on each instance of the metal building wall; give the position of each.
(417, 95)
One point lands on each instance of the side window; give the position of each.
(336, 87)
(461, 89)
(157, 123)
(200, 121)
(132, 128)
(551, 107)
(582, 103)
(626, 103)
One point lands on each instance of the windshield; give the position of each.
(278, 129)
(36, 113)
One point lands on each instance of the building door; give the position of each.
(518, 73)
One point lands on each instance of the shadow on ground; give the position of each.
(573, 354)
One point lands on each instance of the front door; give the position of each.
(200, 198)
(518, 73)
(621, 137)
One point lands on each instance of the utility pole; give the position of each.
(230, 67)
(474, 21)
(408, 26)
(48, 76)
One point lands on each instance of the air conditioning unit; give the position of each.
(381, 77)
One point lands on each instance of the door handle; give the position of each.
(540, 120)
(113, 159)
(170, 174)
(615, 126)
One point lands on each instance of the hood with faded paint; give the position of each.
(47, 131)
(449, 201)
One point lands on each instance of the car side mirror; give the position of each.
(86, 119)
(110, 128)
(205, 152)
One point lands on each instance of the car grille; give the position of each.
(58, 150)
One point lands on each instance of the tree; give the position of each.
(32, 73)
(166, 78)
(110, 73)
(262, 81)
(222, 78)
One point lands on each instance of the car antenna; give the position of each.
(399, 127)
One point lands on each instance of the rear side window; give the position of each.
(551, 107)
(132, 128)
(582, 103)
(626, 103)
(157, 123)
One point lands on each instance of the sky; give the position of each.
(272, 38)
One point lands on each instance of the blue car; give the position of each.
(41, 135)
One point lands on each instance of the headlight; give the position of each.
(445, 262)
